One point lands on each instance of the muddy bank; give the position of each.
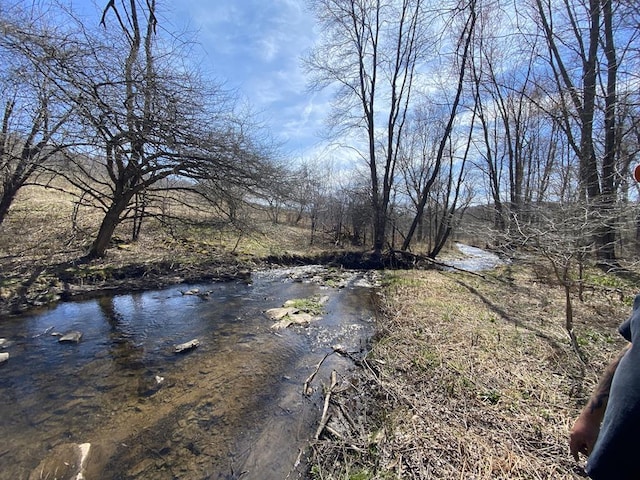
(359, 260)
(41, 285)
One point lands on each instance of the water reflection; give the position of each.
(233, 405)
(126, 353)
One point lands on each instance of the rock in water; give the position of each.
(4, 356)
(193, 291)
(148, 386)
(67, 461)
(280, 313)
(298, 318)
(183, 347)
(71, 337)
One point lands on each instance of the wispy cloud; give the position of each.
(256, 47)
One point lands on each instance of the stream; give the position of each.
(475, 259)
(231, 408)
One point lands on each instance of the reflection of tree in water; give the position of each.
(128, 355)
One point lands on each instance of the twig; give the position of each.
(346, 442)
(306, 390)
(296, 464)
(325, 411)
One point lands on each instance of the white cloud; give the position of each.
(255, 47)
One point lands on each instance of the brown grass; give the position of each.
(471, 378)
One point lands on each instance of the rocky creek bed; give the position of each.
(120, 403)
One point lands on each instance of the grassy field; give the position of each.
(471, 378)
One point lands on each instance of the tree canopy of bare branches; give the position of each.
(142, 115)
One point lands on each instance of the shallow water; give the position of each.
(475, 259)
(232, 408)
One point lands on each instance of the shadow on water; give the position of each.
(232, 408)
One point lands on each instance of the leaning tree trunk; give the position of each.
(108, 226)
(5, 202)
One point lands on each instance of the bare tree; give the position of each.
(558, 234)
(463, 45)
(369, 51)
(311, 191)
(583, 34)
(33, 117)
(143, 116)
(420, 148)
(446, 186)
(518, 142)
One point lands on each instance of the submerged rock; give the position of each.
(4, 356)
(71, 337)
(67, 461)
(149, 386)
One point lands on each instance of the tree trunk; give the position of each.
(379, 230)
(607, 235)
(108, 226)
(5, 202)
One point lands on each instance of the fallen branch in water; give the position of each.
(327, 398)
(306, 389)
(339, 349)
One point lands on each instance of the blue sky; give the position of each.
(254, 47)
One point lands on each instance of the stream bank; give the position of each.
(37, 285)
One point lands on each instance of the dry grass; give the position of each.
(42, 226)
(471, 378)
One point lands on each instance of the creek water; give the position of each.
(231, 408)
(475, 259)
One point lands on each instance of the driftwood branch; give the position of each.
(327, 398)
(306, 389)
